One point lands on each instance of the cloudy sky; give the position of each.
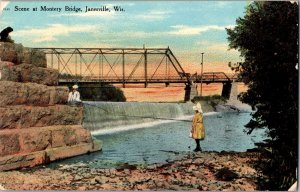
(187, 27)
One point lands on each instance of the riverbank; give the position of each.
(194, 171)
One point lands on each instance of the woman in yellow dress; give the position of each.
(198, 129)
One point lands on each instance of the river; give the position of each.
(163, 140)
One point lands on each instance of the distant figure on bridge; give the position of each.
(74, 97)
(198, 129)
(4, 35)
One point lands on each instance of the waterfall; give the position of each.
(233, 99)
(107, 115)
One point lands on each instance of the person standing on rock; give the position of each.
(74, 96)
(198, 129)
(4, 34)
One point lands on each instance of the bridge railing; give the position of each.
(115, 79)
(207, 78)
(212, 77)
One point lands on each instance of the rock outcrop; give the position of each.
(17, 54)
(15, 93)
(36, 125)
(28, 73)
(193, 172)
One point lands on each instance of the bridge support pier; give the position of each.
(187, 95)
(226, 89)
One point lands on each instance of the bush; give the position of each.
(208, 98)
(268, 40)
(104, 92)
(69, 76)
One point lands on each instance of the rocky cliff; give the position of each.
(36, 125)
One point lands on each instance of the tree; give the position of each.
(267, 39)
(105, 92)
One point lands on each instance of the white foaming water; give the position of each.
(144, 125)
(233, 99)
(99, 116)
(210, 113)
(137, 126)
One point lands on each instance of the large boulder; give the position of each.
(18, 161)
(37, 139)
(9, 143)
(33, 146)
(22, 116)
(18, 54)
(31, 159)
(58, 95)
(14, 93)
(8, 72)
(34, 139)
(28, 73)
(34, 57)
(11, 52)
(5, 64)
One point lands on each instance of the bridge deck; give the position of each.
(140, 81)
(210, 77)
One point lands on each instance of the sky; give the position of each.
(187, 27)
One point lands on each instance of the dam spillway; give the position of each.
(108, 115)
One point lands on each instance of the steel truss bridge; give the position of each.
(123, 66)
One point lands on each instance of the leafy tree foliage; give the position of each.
(267, 38)
(69, 76)
(105, 92)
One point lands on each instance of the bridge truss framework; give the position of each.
(88, 65)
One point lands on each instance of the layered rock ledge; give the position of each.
(36, 127)
(28, 73)
(17, 54)
(24, 116)
(16, 93)
(40, 138)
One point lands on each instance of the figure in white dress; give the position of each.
(74, 96)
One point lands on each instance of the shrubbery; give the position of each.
(208, 98)
(104, 92)
(268, 39)
(69, 76)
